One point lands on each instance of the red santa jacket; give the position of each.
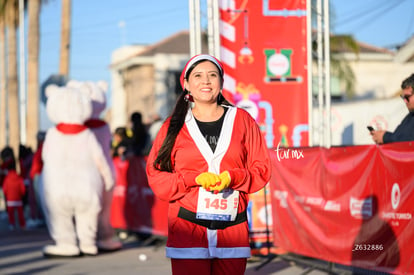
(242, 151)
(14, 188)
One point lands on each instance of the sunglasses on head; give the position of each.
(406, 97)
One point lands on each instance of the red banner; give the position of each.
(264, 53)
(348, 205)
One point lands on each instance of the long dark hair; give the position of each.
(163, 162)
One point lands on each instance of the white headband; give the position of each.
(197, 58)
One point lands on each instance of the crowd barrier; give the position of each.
(348, 205)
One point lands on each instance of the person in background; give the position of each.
(106, 239)
(37, 163)
(205, 161)
(121, 144)
(404, 131)
(25, 158)
(3, 173)
(121, 156)
(35, 171)
(14, 189)
(152, 129)
(140, 136)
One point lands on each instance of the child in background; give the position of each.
(14, 189)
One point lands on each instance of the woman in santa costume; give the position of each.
(207, 157)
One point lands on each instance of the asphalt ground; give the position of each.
(21, 253)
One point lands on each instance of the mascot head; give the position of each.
(68, 104)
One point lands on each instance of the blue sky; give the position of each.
(382, 23)
(97, 29)
(97, 32)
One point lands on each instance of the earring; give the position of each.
(188, 97)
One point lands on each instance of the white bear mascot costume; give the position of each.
(74, 165)
(107, 240)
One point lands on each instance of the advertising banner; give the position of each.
(348, 205)
(264, 53)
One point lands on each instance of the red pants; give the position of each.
(235, 266)
(10, 213)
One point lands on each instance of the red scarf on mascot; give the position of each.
(69, 129)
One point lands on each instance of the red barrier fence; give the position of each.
(347, 205)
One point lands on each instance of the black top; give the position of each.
(211, 130)
(404, 131)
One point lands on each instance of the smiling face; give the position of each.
(204, 83)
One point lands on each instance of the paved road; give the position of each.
(21, 253)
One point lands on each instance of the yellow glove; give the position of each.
(225, 181)
(207, 179)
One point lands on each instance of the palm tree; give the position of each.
(65, 38)
(3, 98)
(338, 43)
(33, 73)
(339, 66)
(11, 16)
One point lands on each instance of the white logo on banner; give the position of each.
(278, 64)
(396, 217)
(282, 197)
(395, 196)
(332, 206)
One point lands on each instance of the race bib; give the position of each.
(217, 207)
